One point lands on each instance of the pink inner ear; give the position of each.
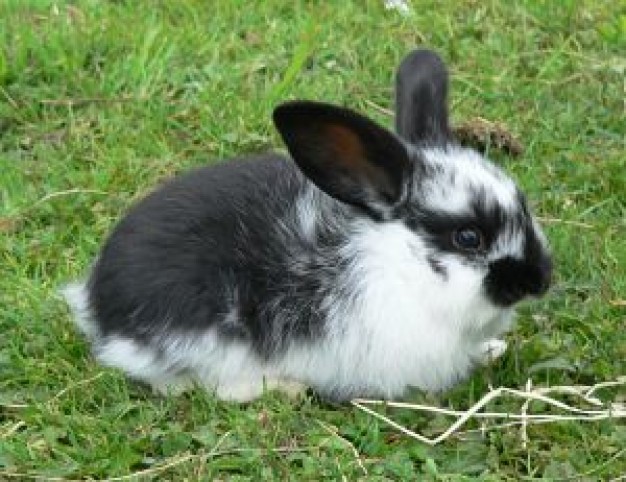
(350, 155)
(346, 146)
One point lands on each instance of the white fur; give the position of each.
(403, 326)
(77, 298)
(307, 210)
(464, 169)
(231, 370)
(396, 331)
(464, 172)
(493, 349)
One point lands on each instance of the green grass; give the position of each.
(101, 100)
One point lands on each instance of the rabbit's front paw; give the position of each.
(491, 350)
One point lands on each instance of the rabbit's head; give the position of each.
(471, 223)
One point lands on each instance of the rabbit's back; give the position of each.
(212, 248)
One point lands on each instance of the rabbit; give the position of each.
(367, 263)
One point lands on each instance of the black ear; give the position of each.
(421, 90)
(346, 155)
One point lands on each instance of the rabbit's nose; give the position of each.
(510, 279)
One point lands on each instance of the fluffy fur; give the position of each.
(342, 275)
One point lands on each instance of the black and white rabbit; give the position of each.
(367, 264)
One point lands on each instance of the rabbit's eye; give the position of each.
(468, 239)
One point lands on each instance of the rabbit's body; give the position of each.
(247, 274)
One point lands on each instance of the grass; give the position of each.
(101, 100)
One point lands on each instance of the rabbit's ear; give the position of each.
(346, 155)
(421, 90)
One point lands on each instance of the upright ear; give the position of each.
(346, 155)
(421, 90)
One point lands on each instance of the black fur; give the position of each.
(218, 247)
(509, 280)
(439, 227)
(421, 91)
(207, 243)
(345, 154)
(437, 266)
(252, 251)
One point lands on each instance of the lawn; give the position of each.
(101, 100)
